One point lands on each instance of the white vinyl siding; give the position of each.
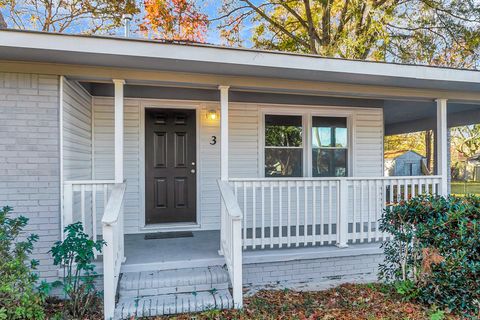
(244, 154)
(368, 143)
(77, 132)
(104, 160)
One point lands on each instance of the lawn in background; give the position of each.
(463, 187)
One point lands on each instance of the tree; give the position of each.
(69, 16)
(466, 139)
(348, 29)
(436, 32)
(3, 24)
(441, 32)
(174, 20)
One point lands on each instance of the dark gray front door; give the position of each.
(170, 168)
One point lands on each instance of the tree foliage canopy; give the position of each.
(440, 32)
(174, 20)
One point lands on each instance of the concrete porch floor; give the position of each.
(201, 250)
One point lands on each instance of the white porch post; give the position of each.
(223, 132)
(118, 130)
(442, 146)
(223, 155)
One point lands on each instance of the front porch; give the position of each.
(251, 223)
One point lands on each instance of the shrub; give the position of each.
(19, 298)
(75, 255)
(435, 251)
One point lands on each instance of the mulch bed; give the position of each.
(346, 302)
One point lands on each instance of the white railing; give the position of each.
(85, 201)
(113, 252)
(285, 212)
(231, 240)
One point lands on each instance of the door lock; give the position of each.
(193, 163)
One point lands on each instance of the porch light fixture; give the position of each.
(212, 115)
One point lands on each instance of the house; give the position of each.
(186, 158)
(404, 163)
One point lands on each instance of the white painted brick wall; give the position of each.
(291, 273)
(29, 157)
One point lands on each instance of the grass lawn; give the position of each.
(346, 302)
(461, 187)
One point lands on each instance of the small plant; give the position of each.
(19, 298)
(75, 255)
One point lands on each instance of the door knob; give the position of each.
(192, 171)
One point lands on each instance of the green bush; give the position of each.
(75, 255)
(434, 254)
(19, 298)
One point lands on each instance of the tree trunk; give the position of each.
(429, 149)
(3, 24)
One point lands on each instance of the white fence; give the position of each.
(285, 212)
(231, 240)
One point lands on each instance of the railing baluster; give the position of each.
(297, 226)
(354, 211)
(263, 215)
(289, 214)
(322, 213)
(245, 215)
(361, 206)
(254, 215)
(272, 229)
(280, 225)
(330, 211)
(314, 214)
(82, 208)
(305, 213)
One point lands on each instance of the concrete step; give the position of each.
(139, 284)
(169, 304)
(167, 292)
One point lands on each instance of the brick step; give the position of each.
(139, 284)
(128, 307)
(166, 292)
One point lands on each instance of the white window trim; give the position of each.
(306, 113)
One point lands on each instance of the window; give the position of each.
(283, 146)
(329, 147)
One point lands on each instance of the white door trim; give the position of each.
(158, 104)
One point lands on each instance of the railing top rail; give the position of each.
(330, 178)
(89, 182)
(230, 200)
(114, 204)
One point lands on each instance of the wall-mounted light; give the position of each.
(212, 115)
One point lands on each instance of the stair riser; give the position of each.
(174, 304)
(171, 290)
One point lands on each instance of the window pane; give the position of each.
(329, 162)
(321, 137)
(283, 131)
(341, 137)
(283, 162)
(329, 132)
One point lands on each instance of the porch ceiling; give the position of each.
(400, 116)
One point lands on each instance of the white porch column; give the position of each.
(223, 132)
(118, 130)
(442, 145)
(223, 157)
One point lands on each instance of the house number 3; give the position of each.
(213, 141)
